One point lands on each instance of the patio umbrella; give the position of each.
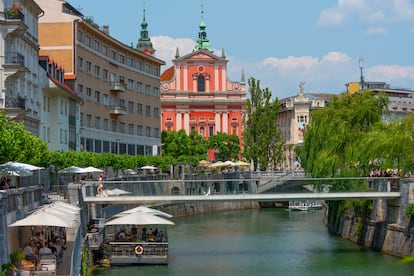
(17, 169)
(242, 164)
(72, 169)
(42, 218)
(148, 168)
(204, 163)
(67, 205)
(139, 218)
(91, 170)
(147, 210)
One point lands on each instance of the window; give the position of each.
(140, 130)
(156, 112)
(89, 94)
(147, 68)
(61, 136)
(97, 122)
(105, 74)
(234, 130)
(202, 133)
(130, 62)
(130, 84)
(88, 67)
(130, 107)
(156, 71)
(81, 119)
(113, 126)
(121, 103)
(105, 99)
(122, 59)
(210, 131)
(148, 110)
(88, 41)
(156, 132)
(97, 71)
(62, 106)
(139, 87)
(88, 120)
(139, 108)
(148, 131)
(80, 36)
(106, 124)
(97, 97)
(122, 127)
(156, 92)
(104, 50)
(200, 83)
(148, 90)
(80, 63)
(113, 54)
(97, 45)
(139, 65)
(130, 128)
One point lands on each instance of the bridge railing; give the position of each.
(252, 184)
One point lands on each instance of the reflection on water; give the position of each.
(263, 242)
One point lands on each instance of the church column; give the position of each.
(216, 79)
(187, 122)
(185, 78)
(225, 122)
(178, 78)
(178, 120)
(217, 122)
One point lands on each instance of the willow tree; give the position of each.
(262, 139)
(332, 140)
(18, 144)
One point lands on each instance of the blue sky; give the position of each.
(280, 43)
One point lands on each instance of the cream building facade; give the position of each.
(118, 84)
(20, 93)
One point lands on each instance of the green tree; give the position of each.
(182, 147)
(18, 144)
(227, 146)
(332, 139)
(262, 138)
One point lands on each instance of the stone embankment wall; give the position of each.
(186, 209)
(387, 229)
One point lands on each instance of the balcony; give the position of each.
(14, 19)
(14, 63)
(117, 110)
(15, 102)
(117, 87)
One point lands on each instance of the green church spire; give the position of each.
(202, 41)
(144, 42)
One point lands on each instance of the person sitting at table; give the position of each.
(52, 248)
(30, 251)
(45, 250)
(121, 236)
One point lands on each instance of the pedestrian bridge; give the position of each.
(253, 187)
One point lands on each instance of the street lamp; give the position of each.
(361, 66)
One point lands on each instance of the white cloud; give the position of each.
(403, 10)
(166, 47)
(377, 31)
(391, 73)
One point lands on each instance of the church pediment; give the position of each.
(201, 55)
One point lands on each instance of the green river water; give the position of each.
(263, 242)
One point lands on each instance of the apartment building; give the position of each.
(119, 85)
(20, 94)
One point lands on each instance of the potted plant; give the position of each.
(7, 269)
(16, 258)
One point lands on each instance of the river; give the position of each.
(263, 242)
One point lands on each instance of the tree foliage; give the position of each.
(18, 144)
(182, 147)
(227, 146)
(332, 145)
(262, 139)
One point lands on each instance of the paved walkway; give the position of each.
(64, 267)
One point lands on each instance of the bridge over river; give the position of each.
(246, 187)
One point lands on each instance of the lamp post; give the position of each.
(361, 66)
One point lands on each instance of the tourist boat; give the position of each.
(137, 237)
(304, 205)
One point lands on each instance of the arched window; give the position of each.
(200, 81)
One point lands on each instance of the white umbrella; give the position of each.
(242, 164)
(18, 169)
(148, 168)
(67, 214)
(72, 169)
(230, 163)
(42, 218)
(67, 205)
(91, 169)
(139, 218)
(147, 210)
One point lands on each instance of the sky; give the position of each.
(280, 43)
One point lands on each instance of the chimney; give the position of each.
(105, 29)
